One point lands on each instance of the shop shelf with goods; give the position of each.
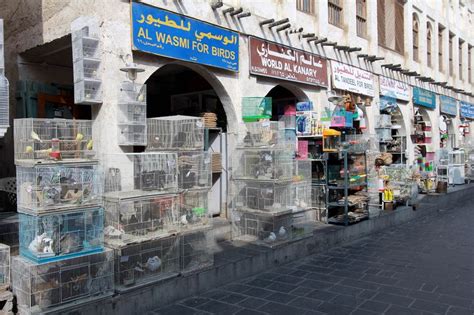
(131, 120)
(426, 175)
(59, 236)
(196, 251)
(40, 288)
(347, 188)
(263, 165)
(262, 134)
(271, 229)
(146, 262)
(86, 66)
(133, 175)
(4, 266)
(193, 213)
(51, 187)
(398, 179)
(194, 170)
(38, 140)
(138, 219)
(456, 167)
(175, 133)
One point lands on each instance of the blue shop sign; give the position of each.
(172, 35)
(448, 105)
(424, 98)
(467, 110)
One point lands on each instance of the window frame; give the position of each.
(429, 44)
(302, 5)
(336, 8)
(440, 48)
(416, 37)
(361, 18)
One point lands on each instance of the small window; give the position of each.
(428, 44)
(440, 47)
(415, 37)
(469, 63)
(335, 12)
(306, 6)
(451, 53)
(361, 18)
(390, 24)
(461, 44)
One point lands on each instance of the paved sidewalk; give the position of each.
(423, 267)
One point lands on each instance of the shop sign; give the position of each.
(467, 110)
(352, 79)
(172, 35)
(448, 105)
(394, 88)
(424, 98)
(269, 59)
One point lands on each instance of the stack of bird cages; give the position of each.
(39, 287)
(61, 220)
(132, 114)
(38, 140)
(62, 235)
(151, 260)
(175, 133)
(59, 186)
(194, 170)
(133, 220)
(140, 174)
(262, 134)
(194, 210)
(262, 196)
(264, 164)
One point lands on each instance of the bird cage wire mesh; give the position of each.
(194, 210)
(178, 133)
(38, 287)
(269, 164)
(196, 251)
(131, 113)
(4, 265)
(262, 196)
(62, 235)
(139, 219)
(52, 139)
(47, 188)
(194, 170)
(262, 134)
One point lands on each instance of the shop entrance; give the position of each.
(284, 101)
(176, 89)
(423, 135)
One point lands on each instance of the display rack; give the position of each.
(347, 188)
(131, 120)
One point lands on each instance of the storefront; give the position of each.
(391, 127)
(424, 101)
(448, 111)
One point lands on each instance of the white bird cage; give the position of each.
(140, 174)
(86, 61)
(4, 265)
(194, 210)
(269, 164)
(263, 196)
(303, 171)
(4, 105)
(262, 134)
(131, 118)
(147, 261)
(39, 287)
(46, 188)
(194, 170)
(196, 251)
(271, 229)
(62, 235)
(38, 140)
(178, 133)
(133, 220)
(302, 195)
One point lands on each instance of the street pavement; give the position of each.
(423, 267)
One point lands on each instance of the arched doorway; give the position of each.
(191, 90)
(284, 99)
(423, 137)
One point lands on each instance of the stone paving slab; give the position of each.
(425, 266)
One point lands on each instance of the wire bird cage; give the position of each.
(194, 210)
(4, 265)
(262, 134)
(271, 229)
(46, 188)
(132, 220)
(139, 174)
(178, 133)
(196, 251)
(40, 140)
(151, 260)
(62, 235)
(262, 196)
(38, 287)
(270, 164)
(194, 170)
(132, 114)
